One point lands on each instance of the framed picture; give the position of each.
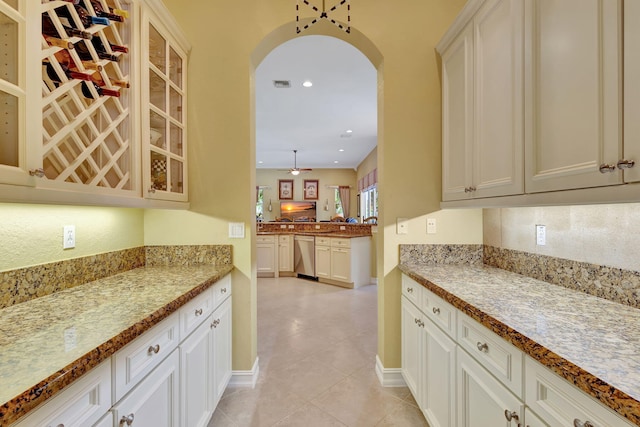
(311, 189)
(285, 189)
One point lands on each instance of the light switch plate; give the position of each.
(69, 237)
(541, 235)
(236, 230)
(402, 226)
(431, 226)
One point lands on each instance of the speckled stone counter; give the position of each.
(97, 319)
(591, 342)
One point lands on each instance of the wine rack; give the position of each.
(86, 120)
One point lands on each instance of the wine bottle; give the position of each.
(85, 17)
(49, 29)
(85, 54)
(64, 57)
(101, 90)
(55, 41)
(97, 78)
(55, 78)
(97, 43)
(97, 6)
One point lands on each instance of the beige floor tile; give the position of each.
(306, 378)
(310, 416)
(219, 419)
(404, 416)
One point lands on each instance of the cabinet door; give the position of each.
(632, 89)
(323, 262)
(221, 328)
(482, 400)
(438, 398)
(572, 94)
(532, 420)
(196, 377)
(285, 254)
(341, 264)
(164, 113)
(412, 348)
(498, 83)
(154, 402)
(265, 255)
(457, 117)
(106, 421)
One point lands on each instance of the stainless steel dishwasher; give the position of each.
(304, 256)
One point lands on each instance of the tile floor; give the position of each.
(316, 349)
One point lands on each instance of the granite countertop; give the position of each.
(591, 342)
(50, 341)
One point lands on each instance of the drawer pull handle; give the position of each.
(482, 346)
(126, 419)
(215, 323)
(436, 310)
(199, 312)
(509, 415)
(605, 168)
(578, 423)
(39, 173)
(410, 290)
(153, 349)
(625, 164)
(223, 290)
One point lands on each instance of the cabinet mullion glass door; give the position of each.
(167, 155)
(12, 92)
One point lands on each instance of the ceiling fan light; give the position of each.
(295, 172)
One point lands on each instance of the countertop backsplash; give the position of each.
(24, 284)
(613, 284)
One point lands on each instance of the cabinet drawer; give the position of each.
(81, 404)
(140, 356)
(560, 403)
(323, 241)
(195, 311)
(494, 353)
(265, 239)
(284, 238)
(412, 290)
(221, 290)
(440, 312)
(340, 243)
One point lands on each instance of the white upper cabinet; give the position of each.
(482, 103)
(573, 94)
(631, 92)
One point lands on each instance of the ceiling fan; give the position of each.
(296, 170)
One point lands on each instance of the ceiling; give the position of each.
(315, 120)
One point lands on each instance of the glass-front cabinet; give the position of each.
(164, 121)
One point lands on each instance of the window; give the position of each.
(338, 203)
(369, 202)
(259, 204)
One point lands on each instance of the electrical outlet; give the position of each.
(283, 226)
(431, 226)
(541, 235)
(402, 226)
(342, 228)
(291, 227)
(317, 227)
(69, 237)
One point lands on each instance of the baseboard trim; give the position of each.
(374, 280)
(389, 377)
(245, 378)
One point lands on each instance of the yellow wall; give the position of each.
(32, 234)
(368, 164)
(229, 39)
(325, 177)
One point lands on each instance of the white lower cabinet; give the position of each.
(221, 342)
(532, 420)
(323, 261)
(482, 400)
(154, 401)
(412, 351)
(106, 421)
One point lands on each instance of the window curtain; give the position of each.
(344, 192)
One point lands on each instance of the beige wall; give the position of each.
(229, 39)
(598, 234)
(325, 177)
(32, 234)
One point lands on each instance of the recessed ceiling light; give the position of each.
(307, 83)
(348, 131)
(341, 150)
(335, 161)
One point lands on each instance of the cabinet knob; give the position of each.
(605, 168)
(223, 290)
(578, 423)
(215, 323)
(199, 312)
(410, 290)
(436, 310)
(511, 415)
(126, 419)
(482, 346)
(626, 164)
(469, 189)
(39, 173)
(153, 349)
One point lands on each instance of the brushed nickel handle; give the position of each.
(472, 189)
(126, 419)
(578, 423)
(223, 290)
(199, 312)
(153, 349)
(38, 173)
(436, 310)
(605, 168)
(415, 320)
(410, 290)
(215, 323)
(626, 164)
(511, 415)
(421, 323)
(482, 346)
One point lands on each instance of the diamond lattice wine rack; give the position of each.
(85, 97)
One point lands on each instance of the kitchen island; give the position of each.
(589, 342)
(48, 343)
